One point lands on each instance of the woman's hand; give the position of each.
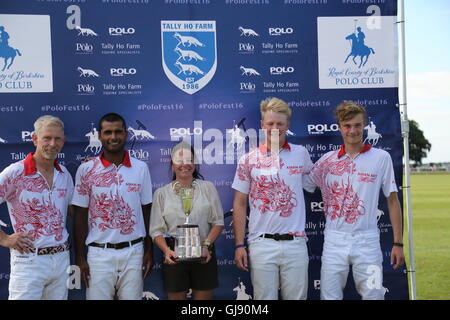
(169, 255)
(207, 254)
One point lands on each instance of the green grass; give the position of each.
(430, 203)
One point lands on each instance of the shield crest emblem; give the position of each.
(189, 53)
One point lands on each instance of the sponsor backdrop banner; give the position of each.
(197, 70)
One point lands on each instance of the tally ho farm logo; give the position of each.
(25, 53)
(355, 54)
(189, 53)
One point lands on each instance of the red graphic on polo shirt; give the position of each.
(273, 195)
(111, 212)
(258, 161)
(366, 177)
(38, 218)
(243, 172)
(295, 170)
(14, 185)
(339, 198)
(33, 216)
(102, 179)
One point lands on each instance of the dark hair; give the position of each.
(184, 145)
(111, 117)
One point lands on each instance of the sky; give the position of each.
(427, 43)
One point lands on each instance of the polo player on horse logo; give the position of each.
(7, 52)
(359, 48)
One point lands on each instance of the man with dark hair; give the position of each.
(113, 195)
(350, 180)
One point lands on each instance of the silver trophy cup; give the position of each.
(187, 242)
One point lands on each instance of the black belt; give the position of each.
(278, 237)
(116, 246)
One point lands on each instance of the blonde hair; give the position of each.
(347, 110)
(47, 120)
(275, 105)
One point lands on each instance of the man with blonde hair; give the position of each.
(37, 191)
(270, 179)
(350, 180)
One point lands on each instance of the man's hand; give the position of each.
(397, 257)
(85, 273)
(241, 259)
(18, 241)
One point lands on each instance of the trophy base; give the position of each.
(199, 259)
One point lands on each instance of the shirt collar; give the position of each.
(365, 148)
(264, 149)
(125, 161)
(30, 165)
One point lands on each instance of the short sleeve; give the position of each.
(8, 189)
(242, 177)
(70, 186)
(388, 180)
(4, 185)
(82, 189)
(146, 190)
(308, 183)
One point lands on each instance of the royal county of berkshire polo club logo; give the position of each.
(356, 53)
(24, 41)
(189, 53)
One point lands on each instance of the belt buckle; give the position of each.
(277, 237)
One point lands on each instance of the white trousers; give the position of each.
(116, 273)
(36, 277)
(278, 265)
(361, 250)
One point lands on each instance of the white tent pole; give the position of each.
(405, 133)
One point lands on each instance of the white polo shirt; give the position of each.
(274, 184)
(351, 187)
(114, 196)
(34, 208)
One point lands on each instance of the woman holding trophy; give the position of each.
(186, 219)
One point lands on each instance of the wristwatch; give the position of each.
(207, 243)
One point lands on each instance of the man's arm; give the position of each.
(395, 215)
(148, 244)
(80, 235)
(239, 222)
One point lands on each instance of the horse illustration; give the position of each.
(249, 71)
(372, 138)
(94, 143)
(188, 40)
(7, 52)
(358, 49)
(372, 134)
(248, 32)
(188, 54)
(236, 137)
(241, 294)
